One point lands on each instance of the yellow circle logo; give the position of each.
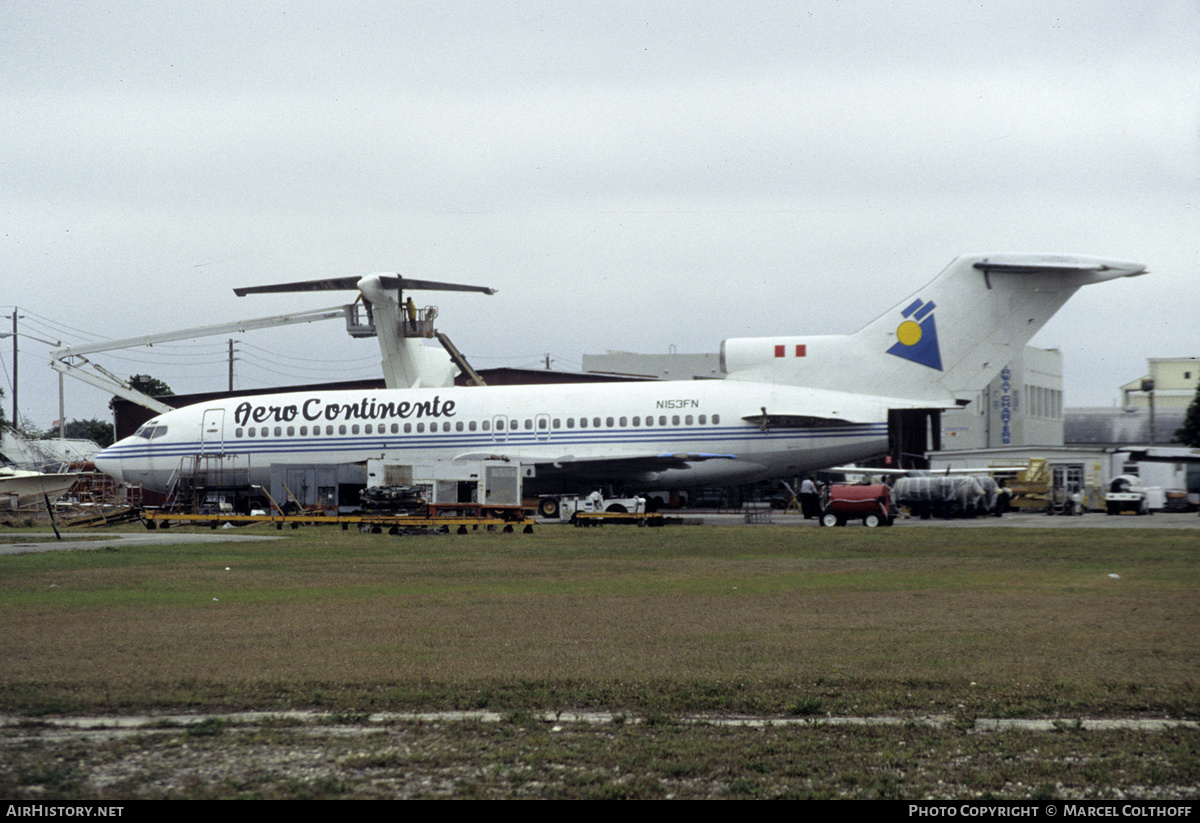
(909, 333)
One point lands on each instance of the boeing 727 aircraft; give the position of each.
(788, 405)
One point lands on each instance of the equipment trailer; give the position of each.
(493, 518)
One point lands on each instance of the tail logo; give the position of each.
(916, 336)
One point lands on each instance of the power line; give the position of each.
(307, 359)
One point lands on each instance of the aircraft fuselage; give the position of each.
(665, 434)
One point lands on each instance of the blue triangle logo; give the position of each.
(916, 336)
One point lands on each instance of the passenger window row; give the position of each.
(502, 424)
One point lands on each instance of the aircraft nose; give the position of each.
(107, 462)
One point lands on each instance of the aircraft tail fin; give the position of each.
(943, 343)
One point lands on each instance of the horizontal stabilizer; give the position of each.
(390, 281)
(1052, 265)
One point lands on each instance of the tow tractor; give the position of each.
(1125, 494)
(567, 506)
(596, 510)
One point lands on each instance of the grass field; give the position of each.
(655, 625)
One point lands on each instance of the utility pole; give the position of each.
(62, 413)
(231, 364)
(1148, 388)
(16, 407)
(16, 421)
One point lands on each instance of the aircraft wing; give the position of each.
(637, 463)
(622, 465)
(925, 472)
(797, 421)
(829, 409)
(1163, 454)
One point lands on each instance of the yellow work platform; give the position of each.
(375, 523)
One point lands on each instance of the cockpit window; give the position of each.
(150, 431)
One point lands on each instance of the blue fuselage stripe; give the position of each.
(466, 440)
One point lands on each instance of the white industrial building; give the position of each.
(1022, 406)
(1089, 445)
(1150, 410)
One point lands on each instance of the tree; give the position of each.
(1189, 433)
(150, 385)
(98, 431)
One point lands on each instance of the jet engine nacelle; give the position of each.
(794, 360)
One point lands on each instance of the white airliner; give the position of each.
(788, 405)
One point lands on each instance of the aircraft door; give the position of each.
(541, 426)
(212, 432)
(500, 428)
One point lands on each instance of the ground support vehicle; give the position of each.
(567, 506)
(1176, 500)
(870, 503)
(1125, 502)
(393, 500)
(1126, 495)
(947, 496)
(585, 519)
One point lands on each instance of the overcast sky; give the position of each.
(646, 176)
